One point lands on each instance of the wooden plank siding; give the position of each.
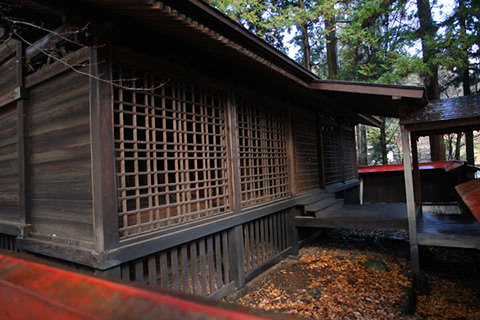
(307, 176)
(9, 171)
(58, 158)
(332, 153)
(349, 153)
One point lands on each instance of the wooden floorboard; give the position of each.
(460, 231)
(371, 216)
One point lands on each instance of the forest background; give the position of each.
(412, 42)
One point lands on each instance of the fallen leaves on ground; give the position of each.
(448, 300)
(336, 285)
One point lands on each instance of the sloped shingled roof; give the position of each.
(446, 114)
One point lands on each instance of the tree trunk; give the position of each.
(305, 41)
(384, 142)
(331, 47)
(427, 32)
(465, 72)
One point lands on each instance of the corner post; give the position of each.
(409, 191)
(291, 153)
(102, 152)
(24, 217)
(235, 238)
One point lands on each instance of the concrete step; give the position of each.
(321, 204)
(333, 209)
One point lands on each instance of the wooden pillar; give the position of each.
(235, 237)
(106, 231)
(411, 208)
(469, 147)
(233, 153)
(291, 154)
(321, 157)
(416, 172)
(292, 234)
(341, 151)
(24, 217)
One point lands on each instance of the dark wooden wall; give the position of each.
(9, 181)
(58, 157)
(305, 133)
(389, 187)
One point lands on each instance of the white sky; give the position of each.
(440, 9)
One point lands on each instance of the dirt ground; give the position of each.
(360, 275)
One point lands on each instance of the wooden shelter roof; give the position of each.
(446, 115)
(225, 46)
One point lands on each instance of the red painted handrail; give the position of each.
(31, 290)
(446, 165)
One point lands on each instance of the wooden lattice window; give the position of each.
(306, 151)
(170, 148)
(262, 154)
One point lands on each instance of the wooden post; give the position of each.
(320, 153)
(22, 181)
(233, 152)
(235, 236)
(291, 154)
(416, 172)
(292, 234)
(103, 154)
(341, 151)
(469, 147)
(409, 191)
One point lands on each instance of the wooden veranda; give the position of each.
(438, 117)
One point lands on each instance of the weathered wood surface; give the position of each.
(306, 151)
(371, 217)
(9, 170)
(58, 158)
(458, 231)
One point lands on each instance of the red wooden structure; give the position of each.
(30, 290)
(470, 193)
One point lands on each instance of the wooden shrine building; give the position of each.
(175, 149)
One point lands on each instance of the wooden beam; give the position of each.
(469, 147)
(361, 88)
(102, 153)
(409, 191)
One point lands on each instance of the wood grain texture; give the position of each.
(9, 171)
(57, 133)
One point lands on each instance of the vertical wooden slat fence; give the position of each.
(7, 242)
(200, 267)
(264, 240)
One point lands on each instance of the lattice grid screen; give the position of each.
(306, 151)
(171, 159)
(263, 154)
